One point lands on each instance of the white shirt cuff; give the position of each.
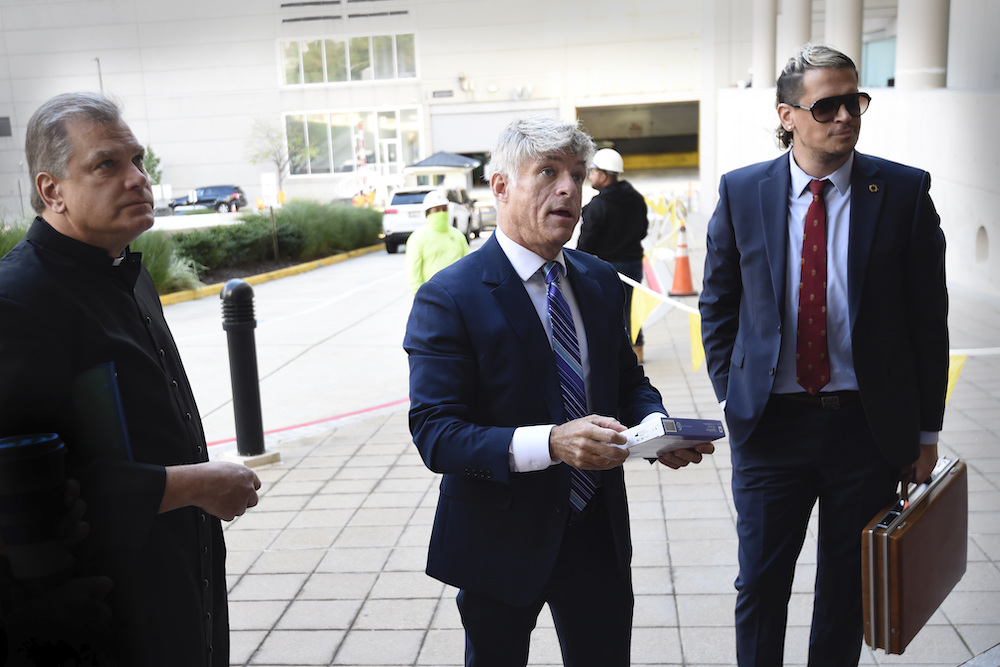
(529, 448)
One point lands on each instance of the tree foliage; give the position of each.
(152, 165)
(267, 145)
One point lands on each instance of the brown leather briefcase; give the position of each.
(913, 553)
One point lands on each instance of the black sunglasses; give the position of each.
(826, 109)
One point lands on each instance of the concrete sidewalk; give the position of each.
(328, 569)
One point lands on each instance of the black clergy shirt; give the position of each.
(66, 307)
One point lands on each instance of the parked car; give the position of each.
(487, 210)
(221, 198)
(405, 213)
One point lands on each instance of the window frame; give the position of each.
(391, 60)
(368, 132)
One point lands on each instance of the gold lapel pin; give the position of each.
(873, 188)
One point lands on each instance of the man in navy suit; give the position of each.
(486, 411)
(868, 413)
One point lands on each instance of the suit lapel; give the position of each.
(773, 194)
(867, 194)
(514, 303)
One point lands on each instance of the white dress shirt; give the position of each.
(529, 446)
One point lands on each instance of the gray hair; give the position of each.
(527, 139)
(48, 145)
(789, 85)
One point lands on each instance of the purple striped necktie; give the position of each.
(566, 348)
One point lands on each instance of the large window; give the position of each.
(382, 141)
(378, 57)
(336, 60)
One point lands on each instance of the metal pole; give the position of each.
(239, 323)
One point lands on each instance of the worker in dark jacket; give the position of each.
(614, 225)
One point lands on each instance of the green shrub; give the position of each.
(331, 228)
(306, 230)
(11, 233)
(235, 245)
(171, 271)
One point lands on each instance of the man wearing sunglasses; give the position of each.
(824, 318)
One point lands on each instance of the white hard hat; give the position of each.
(434, 198)
(608, 159)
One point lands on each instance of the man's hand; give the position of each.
(221, 488)
(588, 443)
(921, 469)
(682, 457)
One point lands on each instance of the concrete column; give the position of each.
(843, 27)
(794, 29)
(922, 44)
(765, 26)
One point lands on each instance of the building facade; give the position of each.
(355, 90)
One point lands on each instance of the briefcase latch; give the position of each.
(892, 514)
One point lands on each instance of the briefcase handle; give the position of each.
(907, 477)
(943, 464)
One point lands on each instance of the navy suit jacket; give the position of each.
(896, 291)
(480, 366)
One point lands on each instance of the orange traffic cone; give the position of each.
(682, 267)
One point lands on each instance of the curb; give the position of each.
(216, 288)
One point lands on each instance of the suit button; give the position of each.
(771, 372)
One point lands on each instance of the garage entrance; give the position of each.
(649, 136)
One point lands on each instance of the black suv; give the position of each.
(222, 198)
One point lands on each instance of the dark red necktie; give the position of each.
(812, 362)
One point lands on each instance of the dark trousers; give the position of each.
(632, 269)
(589, 596)
(800, 454)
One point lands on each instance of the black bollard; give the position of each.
(239, 323)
